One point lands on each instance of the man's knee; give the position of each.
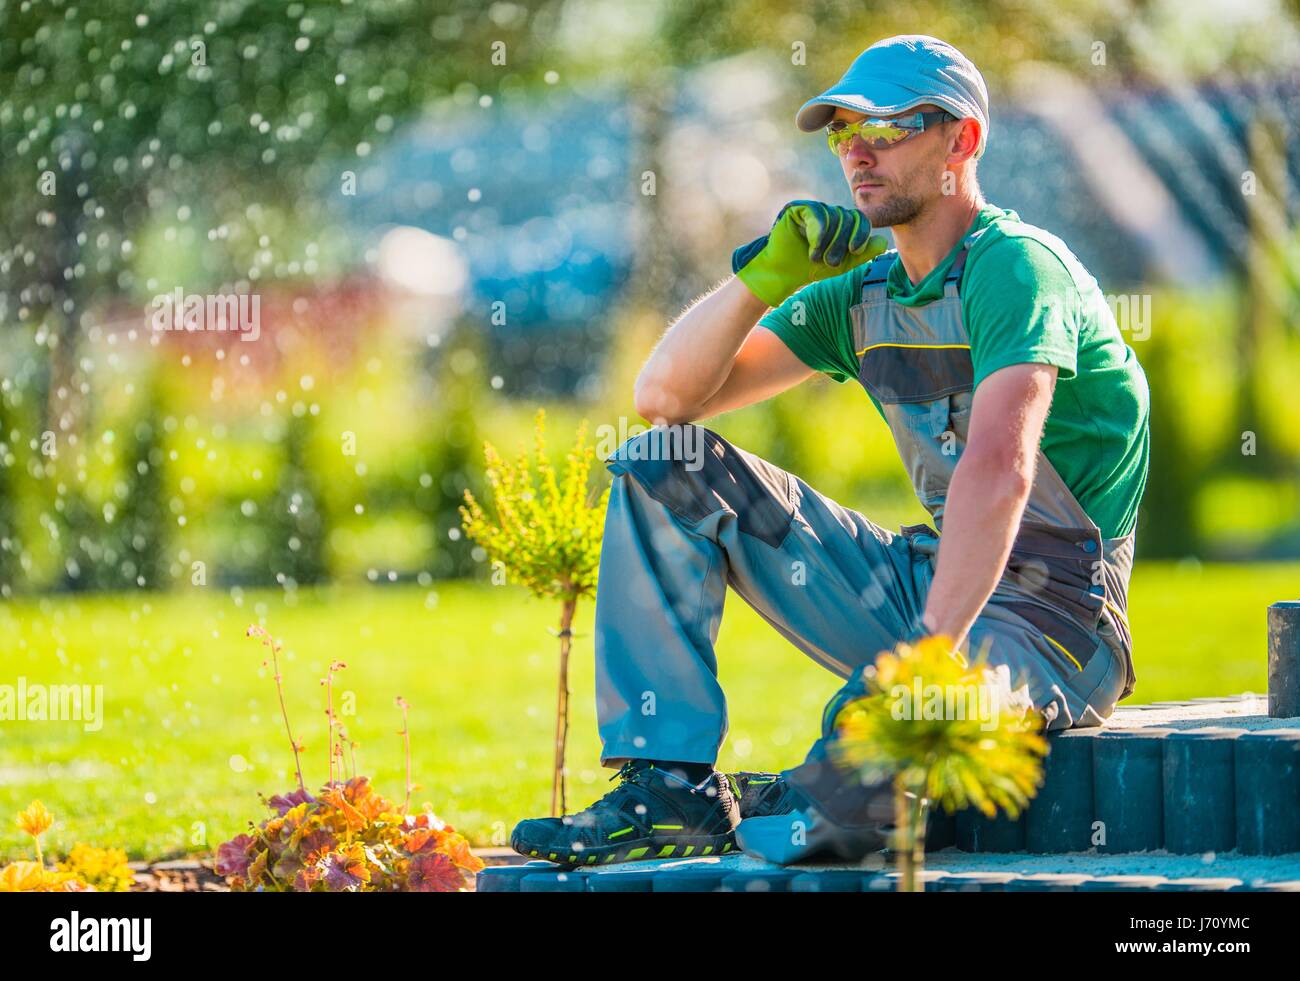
(695, 472)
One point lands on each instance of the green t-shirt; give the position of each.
(1025, 299)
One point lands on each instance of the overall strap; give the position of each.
(878, 271)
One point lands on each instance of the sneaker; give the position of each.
(652, 813)
(763, 794)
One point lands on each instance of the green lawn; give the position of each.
(192, 730)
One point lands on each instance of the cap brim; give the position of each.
(879, 99)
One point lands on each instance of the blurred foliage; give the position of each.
(146, 145)
(299, 520)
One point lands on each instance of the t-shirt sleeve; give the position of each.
(814, 324)
(1021, 307)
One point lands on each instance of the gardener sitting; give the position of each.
(1018, 410)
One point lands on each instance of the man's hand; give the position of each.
(987, 496)
(809, 241)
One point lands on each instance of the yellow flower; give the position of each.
(36, 820)
(105, 869)
(22, 877)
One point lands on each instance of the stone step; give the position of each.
(704, 875)
(1184, 777)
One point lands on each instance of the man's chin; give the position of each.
(886, 214)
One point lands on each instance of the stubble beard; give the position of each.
(906, 204)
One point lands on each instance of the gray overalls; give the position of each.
(837, 586)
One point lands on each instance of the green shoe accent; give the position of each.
(707, 850)
(637, 852)
(610, 856)
(686, 853)
(533, 853)
(667, 850)
(592, 860)
(727, 847)
(665, 827)
(552, 856)
(573, 859)
(622, 831)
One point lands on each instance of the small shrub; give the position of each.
(346, 837)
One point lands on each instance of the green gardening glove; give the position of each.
(809, 241)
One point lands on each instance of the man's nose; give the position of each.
(859, 152)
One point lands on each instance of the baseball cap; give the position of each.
(901, 73)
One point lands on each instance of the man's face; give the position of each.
(895, 185)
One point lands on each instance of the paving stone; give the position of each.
(1059, 818)
(706, 879)
(1127, 786)
(553, 882)
(506, 878)
(831, 880)
(621, 881)
(1267, 765)
(974, 881)
(1199, 803)
(1200, 885)
(1122, 883)
(774, 880)
(1046, 882)
(976, 833)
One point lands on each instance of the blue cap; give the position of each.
(901, 73)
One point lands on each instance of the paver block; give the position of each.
(1127, 787)
(1200, 811)
(1267, 770)
(1059, 818)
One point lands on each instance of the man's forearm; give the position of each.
(692, 359)
(985, 504)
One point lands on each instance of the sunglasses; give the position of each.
(878, 134)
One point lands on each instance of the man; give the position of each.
(1019, 413)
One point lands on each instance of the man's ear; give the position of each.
(964, 139)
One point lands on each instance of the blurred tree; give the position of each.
(450, 443)
(89, 549)
(298, 524)
(144, 525)
(1167, 526)
(10, 543)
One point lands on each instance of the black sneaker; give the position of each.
(652, 813)
(764, 794)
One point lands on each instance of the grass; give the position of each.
(192, 731)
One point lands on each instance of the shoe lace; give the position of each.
(627, 773)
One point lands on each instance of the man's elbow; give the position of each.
(658, 403)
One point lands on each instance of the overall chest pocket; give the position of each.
(910, 355)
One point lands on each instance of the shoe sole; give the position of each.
(635, 850)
